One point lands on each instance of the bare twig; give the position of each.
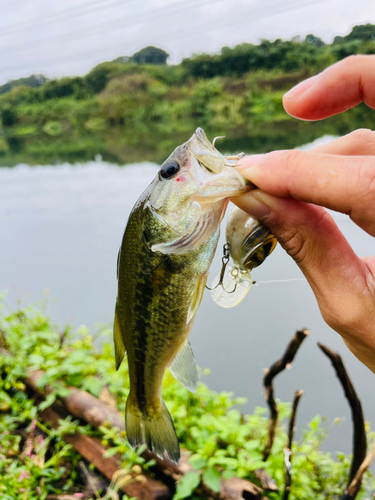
(359, 433)
(351, 490)
(288, 450)
(269, 375)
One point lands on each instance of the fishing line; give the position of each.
(281, 281)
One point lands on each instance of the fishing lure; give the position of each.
(249, 243)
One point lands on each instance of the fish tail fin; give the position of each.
(156, 430)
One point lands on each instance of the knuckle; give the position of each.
(363, 190)
(294, 243)
(362, 135)
(293, 158)
(353, 59)
(289, 158)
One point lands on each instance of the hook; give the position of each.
(216, 139)
(224, 260)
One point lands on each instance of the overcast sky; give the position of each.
(69, 37)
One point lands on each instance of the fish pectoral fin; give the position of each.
(183, 242)
(184, 369)
(118, 340)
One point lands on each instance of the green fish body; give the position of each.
(163, 263)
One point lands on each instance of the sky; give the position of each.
(69, 37)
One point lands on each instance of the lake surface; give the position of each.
(60, 230)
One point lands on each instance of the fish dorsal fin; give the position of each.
(184, 369)
(119, 342)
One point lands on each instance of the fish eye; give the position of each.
(169, 169)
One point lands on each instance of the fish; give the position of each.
(248, 243)
(163, 263)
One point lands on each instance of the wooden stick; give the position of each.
(269, 375)
(359, 433)
(350, 492)
(288, 450)
(266, 480)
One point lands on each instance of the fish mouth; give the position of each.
(205, 152)
(225, 185)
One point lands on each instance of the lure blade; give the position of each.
(232, 291)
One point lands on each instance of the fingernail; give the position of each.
(301, 88)
(248, 162)
(255, 203)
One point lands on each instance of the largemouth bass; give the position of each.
(165, 255)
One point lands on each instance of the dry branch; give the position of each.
(288, 450)
(350, 492)
(359, 433)
(269, 375)
(266, 480)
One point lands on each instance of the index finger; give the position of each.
(342, 183)
(338, 88)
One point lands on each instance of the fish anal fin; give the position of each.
(184, 369)
(118, 340)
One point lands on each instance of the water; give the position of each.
(60, 230)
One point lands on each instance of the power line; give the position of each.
(58, 16)
(178, 34)
(119, 23)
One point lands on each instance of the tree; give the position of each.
(314, 40)
(150, 55)
(33, 81)
(365, 33)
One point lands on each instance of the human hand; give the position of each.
(294, 186)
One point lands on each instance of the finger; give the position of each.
(337, 276)
(360, 142)
(338, 88)
(342, 183)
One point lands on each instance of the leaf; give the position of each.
(211, 477)
(227, 474)
(5, 397)
(255, 464)
(187, 485)
(50, 399)
(111, 452)
(197, 462)
(93, 385)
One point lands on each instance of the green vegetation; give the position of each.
(31, 81)
(139, 108)
(36, 462)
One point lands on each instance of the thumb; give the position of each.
(311, 237)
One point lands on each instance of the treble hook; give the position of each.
(225, 259)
